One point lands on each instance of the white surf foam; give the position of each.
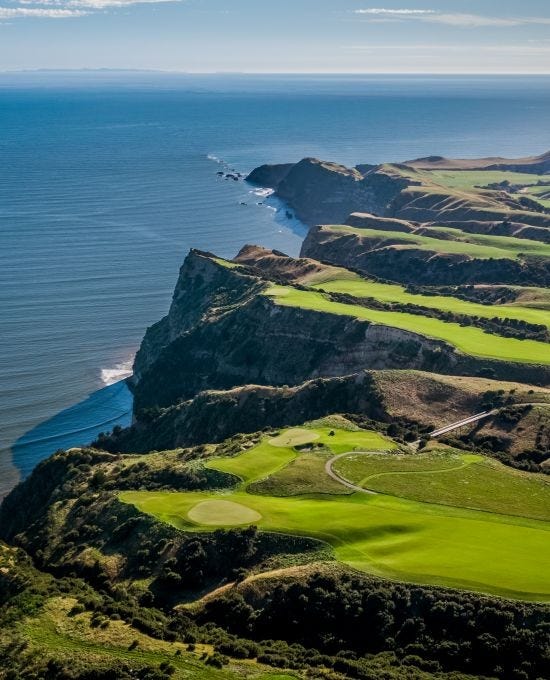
(109, 376)
(264, 193)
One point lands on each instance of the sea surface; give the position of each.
(107, 179)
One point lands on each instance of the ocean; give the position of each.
(107, 179)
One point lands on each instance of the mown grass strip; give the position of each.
(470, 340)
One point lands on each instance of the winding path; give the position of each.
(341, 480)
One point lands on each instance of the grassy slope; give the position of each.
(479, 246)
(472, 341)
(67, 636)
(355, 285)
(390, 536)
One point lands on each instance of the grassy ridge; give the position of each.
(353, 284)
(469, 340)
(478, 246)
(382, 534)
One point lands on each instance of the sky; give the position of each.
(278, 36)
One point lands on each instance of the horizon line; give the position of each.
(271, 73)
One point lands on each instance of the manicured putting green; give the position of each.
(295, 437)
(222, 513)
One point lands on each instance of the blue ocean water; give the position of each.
(107, 179)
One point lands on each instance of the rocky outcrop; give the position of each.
(269, 176)
(277, 266)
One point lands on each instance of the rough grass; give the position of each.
(452, 478)
(353, 284)
(477, 246)
(387, 535)
(470, 340)
(57, 634)
(305, 475)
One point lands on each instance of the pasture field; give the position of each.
(470, 340)
(395, 537)
(457, 242)
(353, 284)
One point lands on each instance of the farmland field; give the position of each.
(423, 542)
(470, 340)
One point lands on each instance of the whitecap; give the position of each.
(262, 192)
(120, 371)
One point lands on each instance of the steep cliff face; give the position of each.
(206, 288)
(263, 343)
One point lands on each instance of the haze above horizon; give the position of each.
(298, 36)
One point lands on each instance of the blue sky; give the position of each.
(327, 36)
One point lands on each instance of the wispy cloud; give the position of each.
(91, 4)
(394, 12)
(65, 9)
(458, 19)
(39, 13)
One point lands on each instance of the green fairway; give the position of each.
(479, 246)
(469, 340)
(504, 554)
(353, 284)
